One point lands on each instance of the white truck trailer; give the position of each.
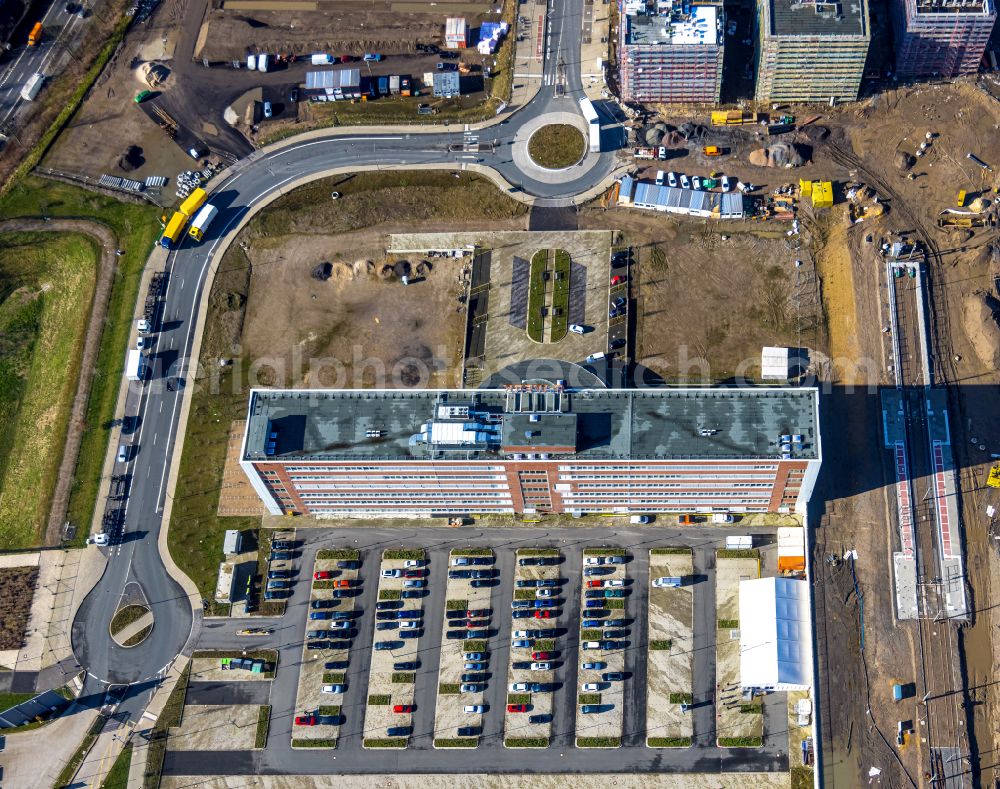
(135, 367)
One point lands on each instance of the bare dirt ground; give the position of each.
(211, 728)
(360, 326)
(707, 304)
(17, 588)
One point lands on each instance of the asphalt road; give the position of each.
(491, 756)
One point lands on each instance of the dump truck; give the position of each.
(35, 36)
(733, 118)
(202, 220)
(712, 150)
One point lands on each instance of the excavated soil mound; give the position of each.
(981, 325)
(903, 160)
(780, 154)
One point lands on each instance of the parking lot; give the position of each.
(493, 740)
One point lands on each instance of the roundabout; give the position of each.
(556, 146)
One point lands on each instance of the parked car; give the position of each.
(333, 688)
(413, 573)
(695, 182)
(390, 572)
(460, 574)
(412, 594)
(413, 563)
(474, 666)
(672, 179)
(406, 665)
(475, 656)
(460, 561)
(280, 556)
(544, 593)
(282, 545)
(595, 665)
(268, 110)
(414, 583)
(529, 561)
(592, 687)
(545, 613)
(613, 676)
(372, 57)
(388, 605)
(685, 182)
(541, 665)
(399, 731)
(727, 184)
(447, 66)
(616, 560)
(590, 709)
(542, 655)
(474, 709)
(380, 645)
(517, 708)
(543, 718)
(522, 643)
(321, 614)
(306, 720)
(335, 665)
(275, 574)
(470, 687)
(323, 575)
(401, 708)
(348, 564)
(616, 623)
(576, 328)
(518, 687)
(393, 625)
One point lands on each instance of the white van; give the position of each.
(576, 328)
(262, 62)
(660, 175)
(595, 357)
(252, 62)
(723, 517)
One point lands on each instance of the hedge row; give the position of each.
(598, 742)
(741, 742)
(603, 551)
(385, 742)
(403, 553)
(670, 552)
(463, 742)
(379, 700)
(668, 742)
(681, 698)
(661, 643)
(340, 554)
(526, 742)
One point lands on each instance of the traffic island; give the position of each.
(131, 625)
(557, 146)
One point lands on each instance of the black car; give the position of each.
(548, 561)
(613, 676)
(539, 718)
(399, 731)
(522, 613)
(616, 634)
(411, 633)
(521, 665)
(282, 545)
(388, 605)
(348, 564)
(455, 634)
(618, 342)
(272, 574)
(473, 678)
(280, 556)
(276, 594)
(387, 625)
(322, 603)
(293, 95)
(460, 573)
(320, 644)
(529, 561)
(411, 614)
(412, 594)
(470, 731)
(482, 573)
(455, 614)
(384, 615)
(343, 615)
(481, 583)
(406, 665)
(380, 645)
(449, 55)
(482, 560)
(335, 665)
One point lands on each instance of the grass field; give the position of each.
(117, 777)
(137, 229)
(536, 295)
(556, 146)
(46, 289)
(560, 297)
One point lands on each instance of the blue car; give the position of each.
(321, 615)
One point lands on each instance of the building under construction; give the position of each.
(810, 51)
(671, 52)
(941, 38)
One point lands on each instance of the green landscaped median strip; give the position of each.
(389, 594)
(681, 698)
(117, 777)
(472, 552)
(589, 698)
(464, 742)
(544, 644)
(449, 688)
(732, 553)
(524, 594)
(614, 604)
(668, 742)
(379, 700)
(81, 752)
(263, 722)
(474, 645)
(519, 698)
(598, 742)
(741, 742)
(404, 677)
(536, 296)
(403, 553)
(670, 552)
(314, 743)
(170, 716)
(328, 710)
(560, 296)
(457, 605)
(591, 635)
(385, 742)
(751, 709)
(603, 551)
(334, 678)
(535, 552)
(340, 554)
(526, 742)
(660, 644)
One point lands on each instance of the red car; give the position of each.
(517, 708)
(322, 575)
(413, 574)
(476, 625)
(342, 584)
(546, 614)
(616, 280)
(593, 584)
(306, 720)
(403, 708)
(541, 655)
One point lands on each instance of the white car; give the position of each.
(590, 687)
(460, 561)
(476, 709)
(413, 563)
(723, 517)
(521, 634)
(140, 343)
(685, 182)
(544, 593)
(667, 582)
(409, 624)
(576, 328)
(593, 560)
(395, 573)
(695, 183)
(470, 687)
(518, 687)
(268, 109)
(641, 519)
(727, 185)
(591, 644)
(614, 582)
(672, 179)
(333, 688)
(659, 177)
(541, 666)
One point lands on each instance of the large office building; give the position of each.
(532, 448)
(941, 38)
(671, 54)
(810, 51)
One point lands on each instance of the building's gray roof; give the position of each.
(603, 424)
(792, 18)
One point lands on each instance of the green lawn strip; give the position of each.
(8, 700)
(802, 777)
(379, 700)
(659, 644)
(170, 716)
(385, 742)
(670, 552)
(138, 638)
(751, 709)
(603, 551)
(472, 552)
(556, 146)
(117, 777)
(614, 604)
(732, 553)
(526, 742)
(536, 295)
(457, 605)
(339, 554)
(46, 284)
(126, 616)
(728, 624)
(741, 742)
(457, 742)
(389, 594)
(560, 296)
(680, 698)
(403, 553)
(403, 677)
(333, 678)
(536, 552)
(263, 722)
(598, 742)
(324, 585)
(545, 644)
(69, 770)
(591, 634)
(327, 710)
(137, 229)
(589, 698)
(519, 698)
(448, 688)
(474, 645)
(669, 742)
(524, 594)
(301, 743)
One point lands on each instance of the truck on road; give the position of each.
(35, 36)
(202, 220)
(135, 366)
(173, 234)
(32, 86)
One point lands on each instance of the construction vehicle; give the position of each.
(964, 220)
(712, 150)
(35, 36)
(993, 480)
(645, 153)
(961, 199)
(733, 118)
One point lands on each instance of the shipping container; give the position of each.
(262, 61)
(394, 84)
(321, 59)
(32, 86)
(383, 86)
(202, 221)
(194, 201)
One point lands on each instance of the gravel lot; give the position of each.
(733, 722)
(215, 728)
(670, 670)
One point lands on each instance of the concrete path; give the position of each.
(137, 626)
